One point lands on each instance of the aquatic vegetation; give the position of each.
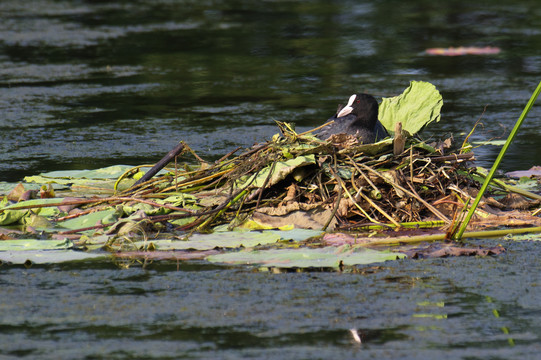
(258, 207)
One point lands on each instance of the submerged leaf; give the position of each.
(446, 250)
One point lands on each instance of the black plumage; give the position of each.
(359, 117)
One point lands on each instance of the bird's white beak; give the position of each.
(348, 108)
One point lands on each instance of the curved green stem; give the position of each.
(525, 112)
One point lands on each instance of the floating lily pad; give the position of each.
(46, 256)
(99, 217)
(296, 234)
(232, 239)
(490, 142)
(110, 172)
(166, 255)
(32, 244)
(329, 257)
(9, 214)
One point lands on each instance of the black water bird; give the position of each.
(359, 117)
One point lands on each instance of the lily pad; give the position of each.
(33, 244)
(166, 255)
(296, 234)
(490, 142)
(9, 214)
(419, 105)
(110, 172)
(108, 216)
(232, 239)
(329, 257)
(46, 256)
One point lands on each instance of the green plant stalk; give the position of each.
(500, 185)
(460, 233)
(211, 218)
(407, 225)
(437, 237)
(516, 190)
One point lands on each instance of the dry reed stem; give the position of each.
(414, 195)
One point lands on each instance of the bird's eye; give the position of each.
(358, 101)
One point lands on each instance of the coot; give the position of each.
(359, 117)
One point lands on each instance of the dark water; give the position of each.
(468, 308)
(86, 84)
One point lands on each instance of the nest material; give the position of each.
(335, 183)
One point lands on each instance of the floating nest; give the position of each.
(298, 180)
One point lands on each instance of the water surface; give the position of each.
(88, 84)
(471, 308)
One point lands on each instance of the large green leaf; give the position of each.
(329, 257)
(416, 107)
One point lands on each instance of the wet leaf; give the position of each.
(166, 255)
(490, 142)
(416, 107)
(99, 217)
(524, 237)
(37, 222)
(231, 239)
(47, 256)
(10, 215)
(33, 244)
(439, 251)
(329, 257)
(296, 234)
(110, 172)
